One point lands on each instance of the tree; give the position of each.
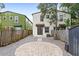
(50, 8)
(73, 10)
(67, 23)
(1, 7)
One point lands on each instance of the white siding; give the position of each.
(65, 17)
(36, 20)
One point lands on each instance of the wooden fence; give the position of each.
(62, 35)
(9, 36)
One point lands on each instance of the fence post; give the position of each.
(0, 38)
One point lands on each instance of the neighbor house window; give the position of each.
(61, 17)
(41, 17)
(46, 29)
(10, 17)
(4, 17)
(16, 19)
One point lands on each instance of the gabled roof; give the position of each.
(17, 13)
(12, 12)
(57, 11)
(36, 13)
(29, 19)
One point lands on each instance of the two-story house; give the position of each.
(13, 20)
(42, 27)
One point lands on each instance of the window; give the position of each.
(41, 17)
(61, 17)
(47, 29)
(47, 16)
(10, 17)
(4, 17)
(16, 19)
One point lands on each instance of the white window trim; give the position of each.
(61, 17)
(17, 18)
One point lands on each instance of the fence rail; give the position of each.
(62, 35)
(9, 36)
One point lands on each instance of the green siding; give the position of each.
(28, 26)
(8, 22)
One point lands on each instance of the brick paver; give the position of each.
(10, 49)
(39, 49)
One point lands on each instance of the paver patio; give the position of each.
(10, 49)
(39, 49)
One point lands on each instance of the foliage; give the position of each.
(62, 26)
(28, 26)
(2, 5)
(68, 23)
(50, 8)
(43, 8)
(73, 9)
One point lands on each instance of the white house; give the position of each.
(42, 27)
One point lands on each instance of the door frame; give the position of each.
(39, 30)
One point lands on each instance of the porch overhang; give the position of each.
(40, 25)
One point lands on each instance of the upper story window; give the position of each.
(16, 19)
(4, 17)
(41, 17)
(10, 17)
(61, 17)
(47, 16)
(46, 29)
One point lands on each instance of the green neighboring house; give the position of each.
(12, 19)
(29, 24)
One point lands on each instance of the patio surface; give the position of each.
(10, 49)
(39, 49)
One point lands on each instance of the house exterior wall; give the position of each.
(65, 17)
(36, 20)
(12, 19)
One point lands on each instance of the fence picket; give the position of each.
(8, 36)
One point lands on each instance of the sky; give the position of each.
(22, 8)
